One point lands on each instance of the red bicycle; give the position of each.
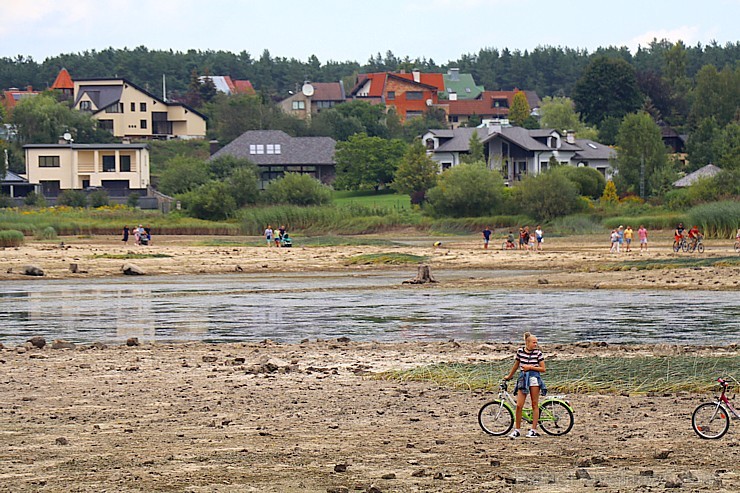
(712, 419)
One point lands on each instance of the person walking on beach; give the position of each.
(620, 237)
(530, 362)
(628, 238)
(615, 242)
(642, 235)
(268, 235)
(538, 235)
(125, 235)
(486, 237)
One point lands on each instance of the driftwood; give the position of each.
(423, 276)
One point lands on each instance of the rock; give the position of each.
(340, 468)
(343, 339)
(647, 473)
(73, 268)
(132, 270)
(495, 463)
(389, 475)
(37, 342)
(373, 489)
(663, 454)
(543, 281)
(583, 462)
(132, 341)
(673, 483)
(419, 473)
(238, 268)
(62, 344)
(33, 270)
(337, 489)
(98, 345)
(61, 441)
(687, 476)
(439, 475)
(582, 474)
(209, 359)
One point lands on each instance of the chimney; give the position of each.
(213, 147)
(417, 75)
(570, 137)
(454, 73)
(29, 88)
(494, 128)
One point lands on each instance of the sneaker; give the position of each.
(532, 434)
(515, 434)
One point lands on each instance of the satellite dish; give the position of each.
(429, 102)
(307, 90)
(67, 136)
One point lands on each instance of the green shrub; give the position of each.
(72, 198)
(211, 201)
(466, 190)
(11, 238)
(297, 189)
(48, 233)
(716, 219)
(549, 195)
(33, 199)
(577, 224)
(132, 200)
(656, 221)
(5, 202)
(98, 198)
(589, 181)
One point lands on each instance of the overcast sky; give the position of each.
(355, 30)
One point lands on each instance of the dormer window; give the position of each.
(430, 144)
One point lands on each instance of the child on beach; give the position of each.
(531, 363)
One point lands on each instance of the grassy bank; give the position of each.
(673, 263)
(600, 375)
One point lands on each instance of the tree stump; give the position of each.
(73, 268)
(423, 276)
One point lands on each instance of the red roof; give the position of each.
(327, 91)
(243, 87)
(63, 81)
(435, 80)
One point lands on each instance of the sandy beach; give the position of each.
(312, 417)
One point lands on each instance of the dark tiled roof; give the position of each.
(519, 136)
(593, 150)
(460, 142)
(705, 172)
(293, 150)
(11, 177)
(327, 91)
(102, 96)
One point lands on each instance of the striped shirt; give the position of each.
(529, 358)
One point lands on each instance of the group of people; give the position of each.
(624, 236)
(694, 234)
(142, 235)
(279, 237)
(527, 241)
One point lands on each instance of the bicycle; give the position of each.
(497, 416)
(681, 244)
(737, 246)
(508, 245)
(711, 420)
(696, 245)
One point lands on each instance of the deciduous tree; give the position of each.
(467, 190)
(365, 163)
(641, 156)
(416, 173)
(607, 88)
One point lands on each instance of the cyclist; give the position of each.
(510, 240)
(694, 235)
(679, 233)
(531, 363)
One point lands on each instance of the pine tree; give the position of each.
(610, 193)
(519, 111)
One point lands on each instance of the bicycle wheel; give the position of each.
(737, 247)
(685, 246)
(555, 418)
(676, 246)
(504, 245)
(495, 418)
(710, 420)
(700, 247)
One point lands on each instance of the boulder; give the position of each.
(33, 270)
(132, 341)
(132, 270)
(37, 342)
(62, 344)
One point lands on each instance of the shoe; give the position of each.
(532, 434)
(515, 434)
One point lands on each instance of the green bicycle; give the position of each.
(497, 416)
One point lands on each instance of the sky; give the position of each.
(352, 30)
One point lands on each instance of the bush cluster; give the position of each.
(11, 238)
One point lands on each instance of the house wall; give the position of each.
(401, 103)
(287, 106)
(77, 166)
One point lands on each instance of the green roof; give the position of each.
(463, 85)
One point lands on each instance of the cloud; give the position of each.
(450, 5)
(690, 35)
(45, 16)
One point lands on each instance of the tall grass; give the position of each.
(468, 224)
(716, 219)
(604, 375)
(11, 238)
(576, 224)
(667, 220)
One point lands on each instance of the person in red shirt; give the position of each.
(694, 234)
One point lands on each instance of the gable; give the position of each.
(291, 150)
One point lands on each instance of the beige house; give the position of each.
(118, 168)
(127, 110)
(313, 98)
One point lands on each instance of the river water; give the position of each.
(367, 306)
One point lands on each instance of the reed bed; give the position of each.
(654, 221)
(716, 219)
(386, 258)
(11, 238)
(604, 375)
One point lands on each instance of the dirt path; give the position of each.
(309, 418)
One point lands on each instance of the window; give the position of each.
(270, 149)
(143, 124)
(115, 108)
(109, 164)
(277, 149)
(252, 149)
(391, 95)
(125, 164)
(324, 104)
(142, 107)
(454, 118)
(48, 161)
(413, 114)
(592, 146)
(106, 125)
(260, 149)
(85, 106)
(430, 144)
(299, 105)
(467, 89)
(133, 107)
(414, 96)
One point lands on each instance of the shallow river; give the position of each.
(374, 306)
